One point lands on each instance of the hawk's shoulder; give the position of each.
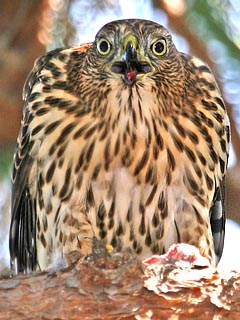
(47, 83)
(52, 66)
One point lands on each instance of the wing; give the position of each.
(217, 211)
(25, 181)
(217, 221)
(211, 117)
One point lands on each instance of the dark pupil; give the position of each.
(159, 47)
(103, 46)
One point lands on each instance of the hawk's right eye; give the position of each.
(159, 47)
(104, 47)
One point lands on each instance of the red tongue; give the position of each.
(131, 75)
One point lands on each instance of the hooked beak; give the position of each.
(130, 65)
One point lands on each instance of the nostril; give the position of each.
(144, 67)
(119, 67)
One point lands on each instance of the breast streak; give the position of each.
(131, 206)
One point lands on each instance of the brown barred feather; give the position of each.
(124, 139)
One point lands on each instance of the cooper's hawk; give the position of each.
(125, 139)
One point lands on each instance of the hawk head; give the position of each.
(137, 54)
(133, 49)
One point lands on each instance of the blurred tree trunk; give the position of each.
(19, 47)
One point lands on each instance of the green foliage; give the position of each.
(215, 20)
(6, 157)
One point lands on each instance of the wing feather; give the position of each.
(22, 237)
(217, 221)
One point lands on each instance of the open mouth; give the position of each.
(131, 70)
(140, 67)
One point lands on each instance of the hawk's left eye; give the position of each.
(104, 47)
(159, 47)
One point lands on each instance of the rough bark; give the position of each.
(118, 286)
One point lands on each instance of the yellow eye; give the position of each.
(159, 47)
(104, 46)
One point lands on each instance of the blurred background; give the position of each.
(209, 29)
